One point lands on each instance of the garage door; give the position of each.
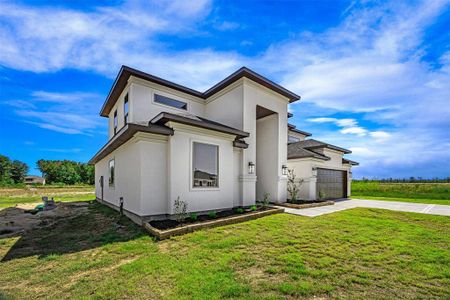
(331, 184)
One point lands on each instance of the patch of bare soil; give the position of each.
(15, 220)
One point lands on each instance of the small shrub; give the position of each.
(180, 210)
(239, 210)
(193, 216)
(322, 194)
(265, 202)
(253, 207)
(212, 214)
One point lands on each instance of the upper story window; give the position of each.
(205, 165)
(293, 139)
(115, 121)
(125, 110)
(111, 172)
(170, 102)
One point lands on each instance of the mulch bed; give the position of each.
(223, 218)
(169, 224)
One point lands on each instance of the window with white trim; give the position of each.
(205, 165)
(111, 172)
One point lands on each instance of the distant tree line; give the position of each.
(407, 180)
(66, 171)
(54, 171)
(12, 171)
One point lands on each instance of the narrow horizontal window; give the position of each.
(205, 167)
(170, 102)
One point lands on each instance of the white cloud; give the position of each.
(354, 130)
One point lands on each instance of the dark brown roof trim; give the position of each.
(125, 73)
(331, 147)
(240, 144)
(165, 117)
(126, 133)
(246, 72)
(351, 162)
(293, 128)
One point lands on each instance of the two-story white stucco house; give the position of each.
(222, 148)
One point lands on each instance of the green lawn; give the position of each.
(12, 196)
(433, 193)
(354, 254)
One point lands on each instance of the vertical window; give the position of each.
(115, 121)
(205, 165)
(111, 172)
(125, 109)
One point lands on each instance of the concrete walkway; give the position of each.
(431, 209)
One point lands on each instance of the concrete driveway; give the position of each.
(431, 209)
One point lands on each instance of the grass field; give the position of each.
(12, 196)
(434, 193)
(354, 254)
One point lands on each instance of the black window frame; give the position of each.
(167, 101)
(126, 109)
(115, 121)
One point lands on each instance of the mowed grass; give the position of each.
(433, 193)
(354, 254)
(27, 195)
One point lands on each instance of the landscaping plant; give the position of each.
(193, 216)
(212, 214)
(253, 208)
(180, 210)
(292, 187)
(266, 199)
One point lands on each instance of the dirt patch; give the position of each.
(15, 220)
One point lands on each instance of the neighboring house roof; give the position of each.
(198, 174)
(126, 133)
(293, 128)
(313, 144)
(295, 150)
(197, 121)
(350, 162)
(33, 177)
(125, 73)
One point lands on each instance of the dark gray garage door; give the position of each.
(331, 184)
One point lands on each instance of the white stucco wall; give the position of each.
(254, 95)
(153, 151)
(180, 169)
(267, 157)
(227, 106)
(120, 113)
(145, 109)
(127, 177)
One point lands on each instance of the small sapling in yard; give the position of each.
(180, 210)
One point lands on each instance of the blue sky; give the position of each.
(374, 75)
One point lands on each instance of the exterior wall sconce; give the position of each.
(251, 168)
(284, 170)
